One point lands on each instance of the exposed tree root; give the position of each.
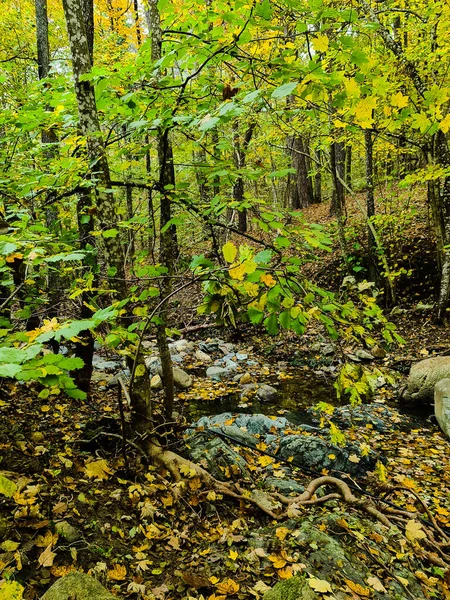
(278, 506)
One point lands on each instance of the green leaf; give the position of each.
(255, 316)
(9, 370)
(7, 487)
(109, 233)
(72, 363)
(271, 324)
(284, 90)
(77, 394)
(229, 251)
(208, 123)
(285, 319)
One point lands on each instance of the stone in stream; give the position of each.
(308, 451)
(156, 382)
(245, 378)
(442, 405)
(422, 378)
(266, 393)
(203, 357)
(218, 373)
(378, 416)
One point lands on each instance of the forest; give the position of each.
(224, 299)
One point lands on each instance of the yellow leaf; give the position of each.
(399, 100)
(286, 573)
(319, 585)
(229, 251)
(277, 561)
(237, 272)
(118, 572)
(268, 280)
(320, 43)
(9, 546)
(363, 112)
(265, 460)
(98, 469)
(414, 531)
(444, 125)
(7, 487)
(228, 587)
(281, 532)
(214, 580)
(357, 588)
(233, 554)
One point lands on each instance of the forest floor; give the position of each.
(85, 505)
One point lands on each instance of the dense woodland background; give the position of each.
(170, 166)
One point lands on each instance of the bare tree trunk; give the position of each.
(240, 155)
(90, 128)
(337, 208)
(348, 166)
(301, 191)
(370, 205)
(318, 179)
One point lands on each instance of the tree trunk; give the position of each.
(348, 167)
(370, 205)
(318, 179)
(337, 208)
(240, 156)
(301, 191)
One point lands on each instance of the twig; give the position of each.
(11, 296)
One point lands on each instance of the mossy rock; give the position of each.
(296, 588)
(78, 586)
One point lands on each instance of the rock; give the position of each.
(153, 364)
(203, 357)
(101, 376)
(442, 405)
(378, 416)
(181, 346)
(123, 374)
(316, 454)
(156, 382)
(327, 349)
(67, 531)
(245, 378)
(217, 373)
(363, 354)
(266, 393)
(295, 588)
(181, 379)
(284, 486)
(231, 365)
(226, 348)
(422, 378)
(79, 586)
(105, 365)
(37, 437)
(216, 456)
(241, 356)
(177, 358)
(378, 351)
(261, 424)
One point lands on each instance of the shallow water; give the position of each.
(296, 394)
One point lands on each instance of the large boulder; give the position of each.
(442, 405)
(423, 376)
(77, 586)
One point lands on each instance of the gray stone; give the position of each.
(240, 356)
(67, 531)
(105, 365)
(124, 374)
(442, 405)
(266, 393)
(78, 586)
(181, 346)
(181, 379)
(423, 376)
(217, 373)
(216, 456)
(156, 382)
(153, 364)
(203, 357)
(378, 416)
(231, 365)
(260, 424)
(177, 358)
(327, 349)
(363, 354)
(284, 486)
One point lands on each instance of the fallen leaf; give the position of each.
(98, 469)
(227, 587)
(118, 572)
(414, 531)
(376, 584)
(47, 557)
(319, 585)
(357, 588)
